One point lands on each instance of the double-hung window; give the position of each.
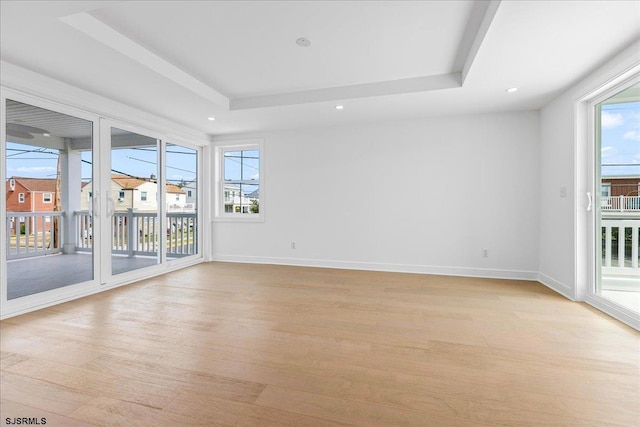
(240, 190)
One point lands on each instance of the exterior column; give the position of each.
(71, 177)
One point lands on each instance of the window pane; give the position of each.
(232, 165)
(48, 163)
(251, 165)
(135, 232)
(181, 173)
(240, 192)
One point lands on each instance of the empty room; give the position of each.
(320, 213)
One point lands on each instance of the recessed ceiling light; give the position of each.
(339, 107)
(211, 118)
(46, 134)
(303, 42)
(512, 90)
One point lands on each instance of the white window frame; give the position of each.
(237, 145)
(44, 197)
(20, 197)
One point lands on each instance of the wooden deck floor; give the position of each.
(247, 345)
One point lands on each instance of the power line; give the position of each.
(154, 163)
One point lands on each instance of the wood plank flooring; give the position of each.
(251, 345)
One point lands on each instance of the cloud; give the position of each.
(610, 121)
(633, 135)
(608, 151)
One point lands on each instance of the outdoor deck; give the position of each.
(28, 276)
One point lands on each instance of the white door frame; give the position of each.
(588, 220)
(54, 296)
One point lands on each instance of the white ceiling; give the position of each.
(382, 60)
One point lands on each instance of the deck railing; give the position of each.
(138, 233)
(620, 203)
(34, 233)
(620, 247)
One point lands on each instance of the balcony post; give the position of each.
(621, 203)
(71, 173)
(132, 236)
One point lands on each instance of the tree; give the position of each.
(255, 206)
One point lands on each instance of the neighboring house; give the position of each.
(30, 195)
(236, 201)
(613, 186)
(136, 193)
(620, 194)
(191, 192)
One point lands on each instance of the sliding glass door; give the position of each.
(617, 201)
(49, 239)
(133, 198)
(181, 200)
(89, 202)
(151, 199)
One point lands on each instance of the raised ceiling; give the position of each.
(383, 60)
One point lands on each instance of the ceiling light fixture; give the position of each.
(211, 118)
(512, 90)
(303, 42)
(339, 107)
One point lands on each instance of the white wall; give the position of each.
(420, 196)
(563, 153)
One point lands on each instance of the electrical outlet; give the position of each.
(485, 253)
(293, 245)
(563, 192)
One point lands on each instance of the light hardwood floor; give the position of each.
(248, 345)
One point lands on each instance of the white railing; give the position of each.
(620, 203)
(144, 227)
(34, 233)
(620, 247)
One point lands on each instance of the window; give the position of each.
(240, 181)
(605, 190)
(188, 193)
(89, 196)
(20, 197)
(143, 196)
(46, 197)
(121, 195)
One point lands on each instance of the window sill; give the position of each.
(238, 219)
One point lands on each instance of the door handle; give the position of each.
(96, 205)
(590, 202)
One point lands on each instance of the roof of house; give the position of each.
(174, 189)
(131, 183)
(37, 184)
(127, 182)
(622, 177)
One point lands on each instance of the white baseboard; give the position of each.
(616, 311)
(557, 286)
(396, 268)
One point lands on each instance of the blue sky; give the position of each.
(620, 138)
(36, 162)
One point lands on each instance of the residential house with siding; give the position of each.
(30, 195)
(137, 193)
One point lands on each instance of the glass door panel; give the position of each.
(181, 196)
(133, 202)
(49, 215)
(618, 201)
